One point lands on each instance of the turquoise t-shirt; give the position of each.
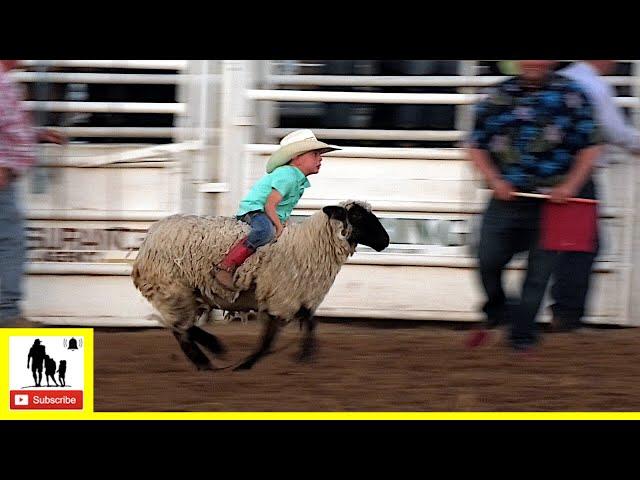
(287, 180)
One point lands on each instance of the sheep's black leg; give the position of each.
(191, 350)
(271, 328)
(309, 345)
(207, 340)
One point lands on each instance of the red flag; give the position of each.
(570, 226)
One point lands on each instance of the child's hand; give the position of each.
(48, 135)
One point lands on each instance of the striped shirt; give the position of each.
(17, 135)
(615, 129)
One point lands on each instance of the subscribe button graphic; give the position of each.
(46, 400)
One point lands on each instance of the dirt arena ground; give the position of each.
(372, 366)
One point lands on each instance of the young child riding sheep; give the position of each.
(268, 205)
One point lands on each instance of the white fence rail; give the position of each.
(134, 64)
(363, 97)
(420, 182)
(407, 81)
(107, 107)
(378, 152)
(381, 97)
(370, 134)
(108, 78)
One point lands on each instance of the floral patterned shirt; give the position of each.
(532, 135)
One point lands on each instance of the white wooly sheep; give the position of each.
(282, 281)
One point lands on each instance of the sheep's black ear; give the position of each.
(338, 213)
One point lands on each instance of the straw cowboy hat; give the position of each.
(296, 143)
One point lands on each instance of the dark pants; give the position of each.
(571, 277)
(509, 228)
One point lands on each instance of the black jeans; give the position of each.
(509, 228)
(571, 277)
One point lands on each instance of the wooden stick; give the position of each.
(540, 195)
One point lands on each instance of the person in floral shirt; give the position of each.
(534, 132)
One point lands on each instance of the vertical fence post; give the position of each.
(237, 122)
(634, 256)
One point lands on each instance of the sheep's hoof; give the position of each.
(308, 351)
(307, 356)
(246, 365)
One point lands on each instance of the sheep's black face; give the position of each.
(365, 226)
(366, 229)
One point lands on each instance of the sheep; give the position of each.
(283, 281)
